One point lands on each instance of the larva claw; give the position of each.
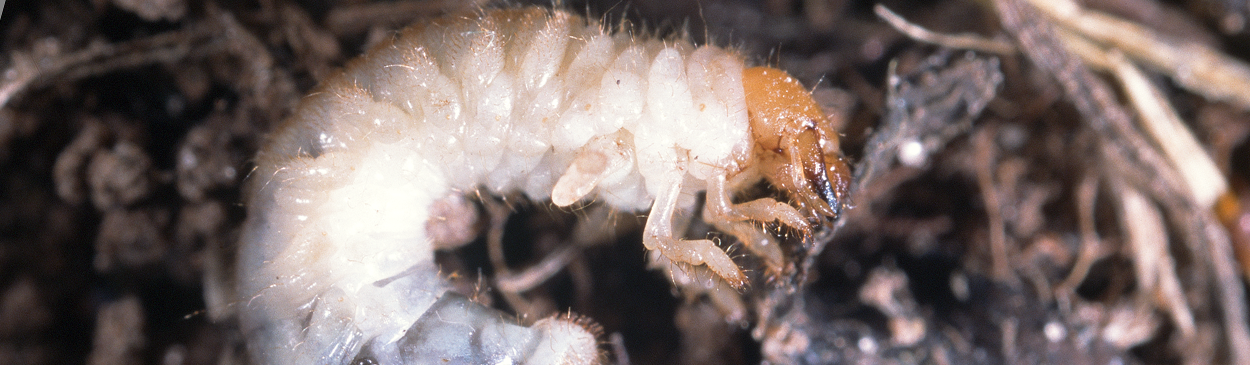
(699, 252)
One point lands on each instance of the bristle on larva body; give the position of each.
(335, 263)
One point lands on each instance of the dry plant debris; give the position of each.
(1037, 182)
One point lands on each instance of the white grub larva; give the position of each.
(335, 263)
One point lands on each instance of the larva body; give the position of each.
(335, 262)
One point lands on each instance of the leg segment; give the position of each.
(658, 235)
(736, 219)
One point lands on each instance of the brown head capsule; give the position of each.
(795, 144)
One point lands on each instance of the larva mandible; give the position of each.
(335, 264)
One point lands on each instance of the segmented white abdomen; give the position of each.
(335, 258)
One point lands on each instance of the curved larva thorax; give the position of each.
(539, 85)
(335, 257)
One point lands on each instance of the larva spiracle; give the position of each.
(335, 262)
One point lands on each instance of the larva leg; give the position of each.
(760, 210)
(602, 157)
(658, 235)
(609, 155)
(736, 219)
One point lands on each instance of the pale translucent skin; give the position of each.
(334, 258)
